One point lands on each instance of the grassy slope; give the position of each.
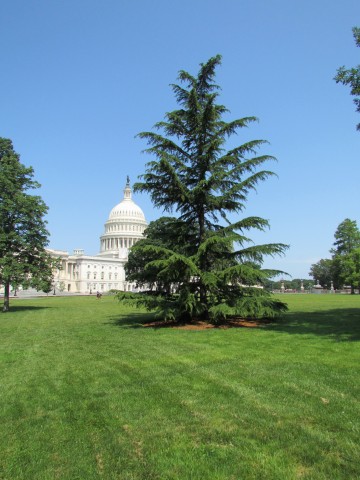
(87, 393)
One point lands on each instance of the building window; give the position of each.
(102, 275)
(109, 276)
(115, 276)
(88, 275)
(94, 275)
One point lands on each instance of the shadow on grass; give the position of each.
(340, 324)
(22, 308)
(132, 320)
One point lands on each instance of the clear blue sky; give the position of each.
(80, 78)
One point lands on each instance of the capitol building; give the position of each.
(81, 273)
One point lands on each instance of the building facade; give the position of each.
(81, 273)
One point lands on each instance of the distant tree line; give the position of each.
(293, 284)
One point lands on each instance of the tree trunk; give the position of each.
(203, 264)
(6, 297)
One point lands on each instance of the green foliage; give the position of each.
(351, 76)
(348, 267)
(167, 232)
(194, 265)
(347, 237)
(23, 234)
(343, 267)
(351, 268)
(323, 272)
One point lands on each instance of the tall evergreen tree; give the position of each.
(193, 175)
(347, 237)
(23, 234)
(351, 76)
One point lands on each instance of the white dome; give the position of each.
(127, 208)
(125, 226)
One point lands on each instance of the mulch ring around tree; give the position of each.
(235, 322)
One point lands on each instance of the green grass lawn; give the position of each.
(88, 393)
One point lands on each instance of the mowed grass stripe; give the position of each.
(89, 393)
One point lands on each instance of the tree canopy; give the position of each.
(23, 234)
(344, 266)
(347, 237)
(351, 76)
(209, 268)
(323, 272)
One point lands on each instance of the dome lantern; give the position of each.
(127, 190)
